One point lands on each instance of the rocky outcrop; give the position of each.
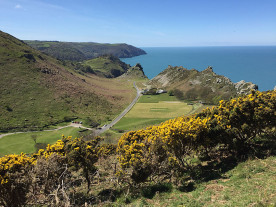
(205, 84)
(135, 72)
(245, 87)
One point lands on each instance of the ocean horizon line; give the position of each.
(206, 46)
(256, 64)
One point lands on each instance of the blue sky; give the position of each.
(143, 22)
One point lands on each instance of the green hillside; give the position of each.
(108, 66)
(79, 51)
(37, 91)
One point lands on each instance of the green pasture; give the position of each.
(126, 123)
(24, 142)
(152, 110)
(157, 98)
(164, 110)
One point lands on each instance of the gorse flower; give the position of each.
(12, 163)
(73, 150)
(241, 118)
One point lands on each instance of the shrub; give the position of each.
(50, 176)
(173, 147)
(159, 150)
(79, 154)
(82, 155)
(178, 94)
(14, 179)
(238, 122)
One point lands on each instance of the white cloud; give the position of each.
(18, 6)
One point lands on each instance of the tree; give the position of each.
(178, 94)
(34, 137)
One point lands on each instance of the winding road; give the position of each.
(118, 118)
(96, 131)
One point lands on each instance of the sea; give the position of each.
(256, 64)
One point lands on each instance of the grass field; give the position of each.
(152, 110)
(23, 142)
(126, 123)
(164, 110)
(251, 183)
(156, 98)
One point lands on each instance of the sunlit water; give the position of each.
(255, 64)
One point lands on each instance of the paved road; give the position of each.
(108, 126)
(97, 131)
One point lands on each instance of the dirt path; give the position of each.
(49, 130)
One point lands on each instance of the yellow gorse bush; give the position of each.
(247, 116)
(242, 118)
(74, 150)
(12, 163)
(57, 148)
(169, 142)
(36, 176)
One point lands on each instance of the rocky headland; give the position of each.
(206, 84)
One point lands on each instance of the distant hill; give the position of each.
(37, 90)
(108, 66)
(79, 51)
(205, 85)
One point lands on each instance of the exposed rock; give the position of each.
(200, 83)
(243, 87)
(138, 66)
(48, 71)
(195, 82)
(135, 72)
(209, 69)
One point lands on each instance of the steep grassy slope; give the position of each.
(78, 51)
(36, 90)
